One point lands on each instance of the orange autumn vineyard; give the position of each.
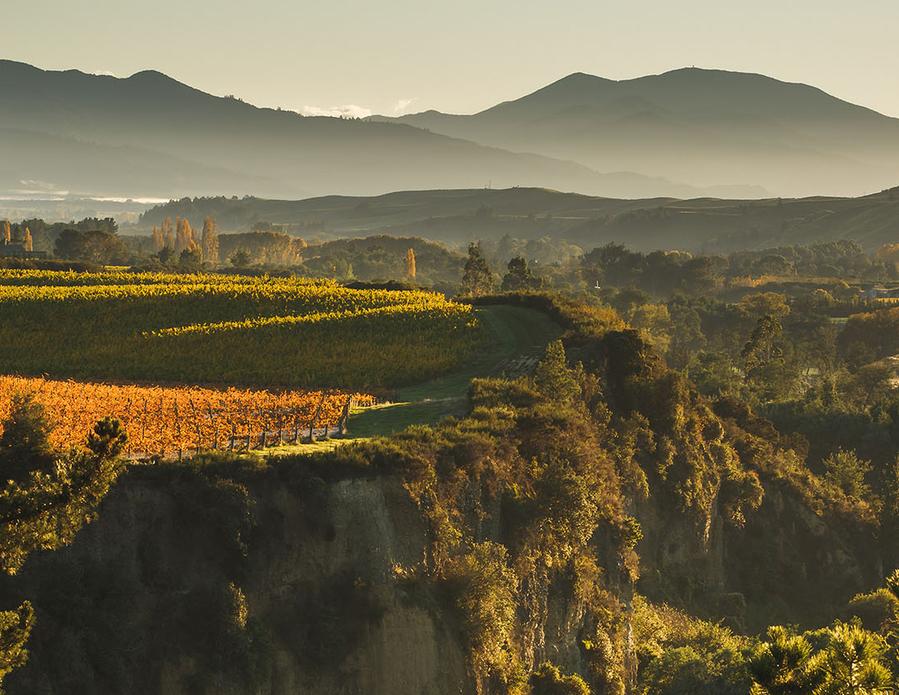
(165, 420)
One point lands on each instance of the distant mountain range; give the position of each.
(699, 126)
(459, 216)
(151, 136)
(687, 133)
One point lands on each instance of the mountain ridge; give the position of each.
(274, 153)
(695, 125)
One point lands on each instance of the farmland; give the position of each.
(216, 329)
(165, 420)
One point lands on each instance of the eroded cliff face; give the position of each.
(787, 563)
(141, 602)
(281, 584)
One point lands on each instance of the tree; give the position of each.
(477, 277)
(783, 665)
(168, 234)
(548, 680)
(184, 237)
(49, 498)
(519, 276)
(95, 246)
(190, 259)
(552, 376)
(854, 662)
(15, 629)
(240, 259)
(7, 232)
(25, 442)
(158, 240)
(410, 264)
(847, 471)
(210, 242)
(27, 241)
(108, 438)
(764, 366)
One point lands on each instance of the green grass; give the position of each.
(514, 332)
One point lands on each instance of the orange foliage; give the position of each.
(167, 419)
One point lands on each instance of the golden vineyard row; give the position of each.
(166, 419)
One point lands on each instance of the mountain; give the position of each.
(149, 135)
(459, 216)
(700, 126)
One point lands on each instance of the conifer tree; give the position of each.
(27, 241)
(477, 277)
(553, 377)
(7, 232)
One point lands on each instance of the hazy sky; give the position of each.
(402, 55)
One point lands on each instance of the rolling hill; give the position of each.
(150, 135)
(705, 127)
(458, 216)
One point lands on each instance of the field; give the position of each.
(166, 420)
(217, 329)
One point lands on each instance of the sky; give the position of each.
(399, 56)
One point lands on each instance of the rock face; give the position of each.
(278, 581)
(141, 608)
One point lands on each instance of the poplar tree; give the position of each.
(410, 264)
(210, 242)
(158, 239)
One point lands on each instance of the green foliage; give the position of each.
(107, 439)
(95, 246)
(477, 278)
(847, 471)
(548, 680)
(25, 442)
(519, 277)
(55, 495)
(15, 629)
(870, 336)
(682, 655)
(784, 664)
(485, 589)
(844, 659)
(553, 378)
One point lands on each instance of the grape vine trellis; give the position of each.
(182, 420)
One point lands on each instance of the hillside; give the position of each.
(700, 126)
(455, 216)
(84, 131)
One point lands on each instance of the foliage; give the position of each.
(15, 629)
(48, 502)
(161, 420)
(477, 278)
(846, 471)
(552, 376)
(682, 655)
(548, 680)
(519, 277)
(213, 328)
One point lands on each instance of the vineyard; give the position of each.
(174, 420)
(253, 331)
